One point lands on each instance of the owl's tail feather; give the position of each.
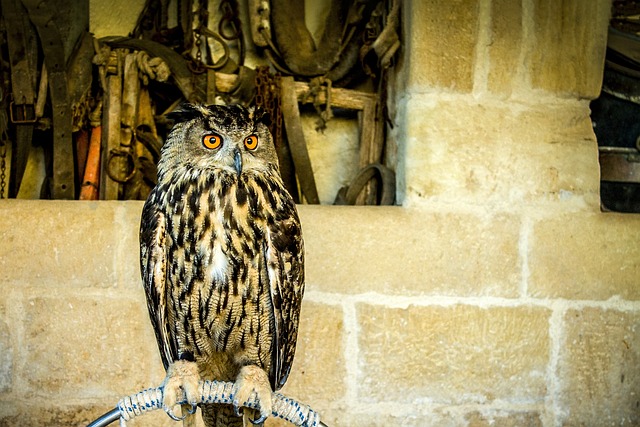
(224, 416)
(190, 419)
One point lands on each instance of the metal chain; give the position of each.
(197, 65)
(4, 140)
(3, 166)
(4, 120)
(202, 34)
(230, 19)
(203, 20)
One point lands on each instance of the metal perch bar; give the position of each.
(210, 392)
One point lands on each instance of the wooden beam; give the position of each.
(297, 143)
(341, 98)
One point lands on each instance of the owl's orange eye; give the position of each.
(212, 141)
(251, 142)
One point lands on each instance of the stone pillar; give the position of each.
(494, 102)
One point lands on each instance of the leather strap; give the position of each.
(109, 188)
(42, 16)
(22, 47)
(244, 89)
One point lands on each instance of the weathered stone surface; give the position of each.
(334, 153)
(598, 368)
(569, 46)
(57, 243)
(586, 256)
(441, 38)
(460, 152)
(400, 251)
(452, 355)
(505, 46)
(85, 346)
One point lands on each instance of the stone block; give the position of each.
(88, 346)
(127, 227)
(411, 416)
(402, 251)
(505, 46)
(452, 354)
(57, 412)
(460, 152)
(392, 417)
(568, 50)
(440, 44)
(598, 368)
(318, 374)
(57, 243)
(45, 414)
(441, 416)
(504, 419)
(6, 357)
(585, 256)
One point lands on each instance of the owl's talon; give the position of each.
(192, 410)
(180, 385)
(237, 409)
(174, 417)
(252, 382)
(258, 420)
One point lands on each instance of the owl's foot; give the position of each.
(181, 383)
(253, 379)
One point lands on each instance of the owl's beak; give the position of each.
(237, 161)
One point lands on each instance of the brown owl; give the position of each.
(222, 260)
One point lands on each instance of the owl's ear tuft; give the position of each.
(186, 112)
(261, 115)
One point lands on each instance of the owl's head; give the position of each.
(228, 137)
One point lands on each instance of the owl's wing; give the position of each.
(153, 265)
(285, 260)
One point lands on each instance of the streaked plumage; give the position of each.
(222, 256)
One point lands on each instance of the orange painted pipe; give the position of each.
(89, 190)
(82, 149)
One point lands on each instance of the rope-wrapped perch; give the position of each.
(210, 392)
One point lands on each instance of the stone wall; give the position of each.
(497, 294)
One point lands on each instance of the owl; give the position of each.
(222, 261)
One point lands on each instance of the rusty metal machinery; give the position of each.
(96, 107)
(616, 113)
